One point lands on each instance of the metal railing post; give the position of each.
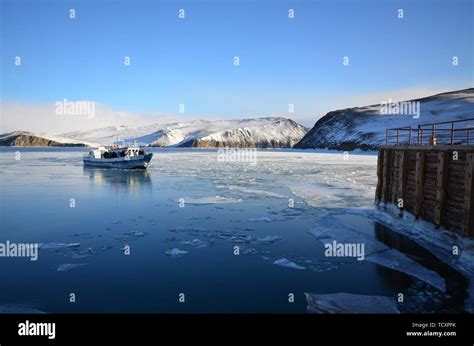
(452, 133)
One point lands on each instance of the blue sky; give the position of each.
(190, 61)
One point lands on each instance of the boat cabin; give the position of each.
(115, 152)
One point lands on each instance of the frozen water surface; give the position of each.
(225, 246)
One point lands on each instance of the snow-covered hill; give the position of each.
(29, 139)
(268, 132)
(364, 127)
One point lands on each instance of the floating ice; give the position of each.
(396, 260)
(261, 219)
(206, 200)
(175, 252)
(287, 263)
(268, 239)
(330, 229)
(136, 234)
(81, 255)
(55, 246)
(249, 251)
(438, 243)
(195, 242)
(256, 192)
(277, 217)
(235, 238)
(68, 266)
(347, 303)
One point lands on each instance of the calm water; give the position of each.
(143, 210)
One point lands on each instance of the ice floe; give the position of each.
(268, 239)
(175, 252)
(288, 264)
(439, 243)
(335, 230)
(133, 235)
(256, 192)
(261, 219)
(196, 243)
(56, 246)
(330, 228)
(347, 303)
(206, 200)
(235, 238)
(249, 251)
(396, 260)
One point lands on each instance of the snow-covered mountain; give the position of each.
(268, 132)
(364, 127)
(29, 139)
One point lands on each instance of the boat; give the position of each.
(123, 157)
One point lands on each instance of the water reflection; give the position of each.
(120, 181)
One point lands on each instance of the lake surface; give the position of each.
(182, 220)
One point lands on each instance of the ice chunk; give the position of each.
(261, 219)
(256, 192)
(287, 263)
(133, 235)
(81, 255)
(398, 261)
(236, 238)
(328, 232)
(347, 303)
(268, 239)
(175, 252)
(250, 251)
(55, 246)
(195, 242)
(206, 200)
(68, 266)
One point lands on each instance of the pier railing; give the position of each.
(448, 132)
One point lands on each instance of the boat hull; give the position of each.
(140, 162)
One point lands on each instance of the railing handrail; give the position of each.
(400, 128)
(431, 132)
(446, 122)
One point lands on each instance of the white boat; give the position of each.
(125, 157)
